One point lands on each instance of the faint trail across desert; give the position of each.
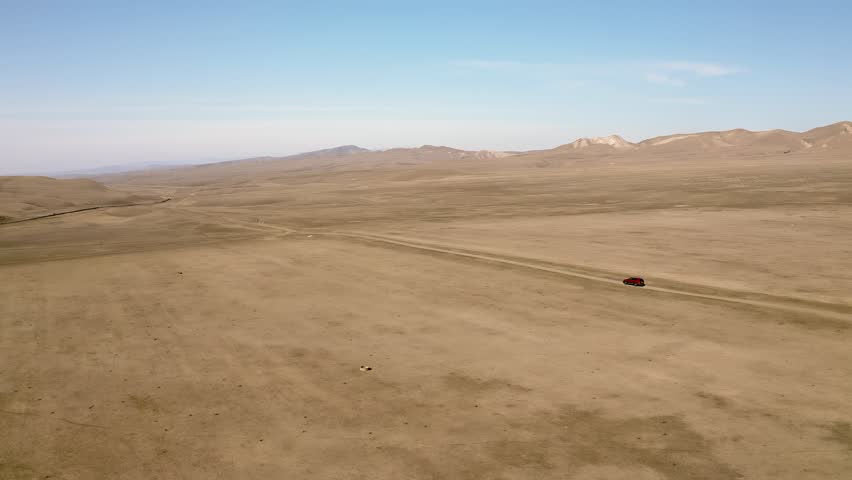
(565, 271)
(87, 209)
(834, 312)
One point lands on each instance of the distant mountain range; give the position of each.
(341, 151)
(123, 168)
(834, 136)
(770, 141)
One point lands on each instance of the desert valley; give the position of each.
(435, 313)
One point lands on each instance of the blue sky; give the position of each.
(88, 83)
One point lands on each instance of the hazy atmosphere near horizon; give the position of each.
(425, 241)
(94, 83)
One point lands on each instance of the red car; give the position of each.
(634, 282)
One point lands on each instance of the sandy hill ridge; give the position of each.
(342, 151)
(772, 141)
(432, 152)
(26, 197)
(216, 171)
(735, 142)
(837, 135)
(349, 156)
(611, 142)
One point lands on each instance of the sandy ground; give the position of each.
(221, 335)
(24, 198)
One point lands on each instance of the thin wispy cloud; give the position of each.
(194, 107)
(491, 64)
(671, 73)
(668, 73)
(681, 100)
(528, 66)
(226, 108)
(700, 69)
(664, 79)
(284, 108)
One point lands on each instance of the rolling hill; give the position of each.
(26, 197)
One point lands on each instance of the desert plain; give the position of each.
(434, 313)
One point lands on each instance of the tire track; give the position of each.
(560, 270)
(566, 271)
